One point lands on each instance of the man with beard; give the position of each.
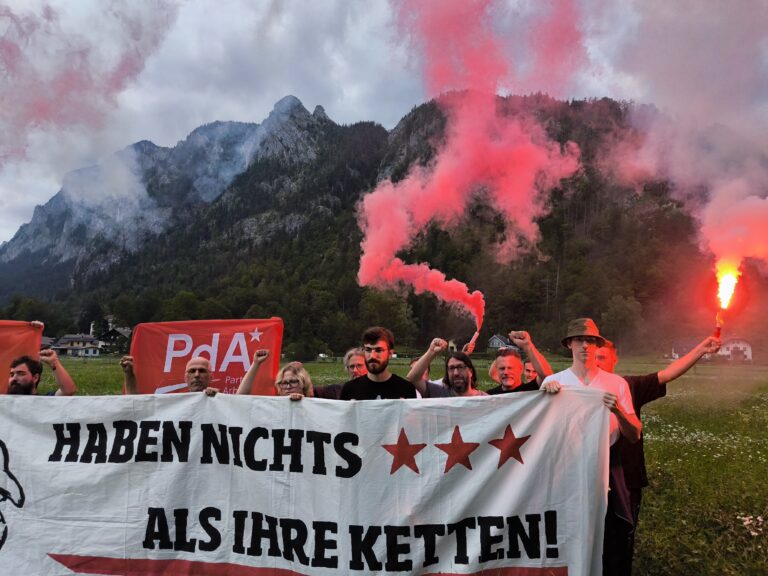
(509, 371)
(379, 383)
(26, 373)
(197, 375)
(583, 339)
(460, 375)
(509, 365)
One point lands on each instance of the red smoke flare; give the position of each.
(509, 158)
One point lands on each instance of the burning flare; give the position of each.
(727, 277)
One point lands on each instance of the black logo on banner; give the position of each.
(10, 490)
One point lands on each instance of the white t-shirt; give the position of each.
(604, 381)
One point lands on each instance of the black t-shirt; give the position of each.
(527, 387)
(330, 392)
(644, 389)
(363, 388)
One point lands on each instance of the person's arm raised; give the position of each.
(523, 340)
(709, 345)
(129, 376)
(246, 383)
(416, 373)
(63, 379)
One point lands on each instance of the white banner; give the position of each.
(147, 485)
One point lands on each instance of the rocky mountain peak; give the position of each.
(131, 195)
(290, 132)
(319, 113)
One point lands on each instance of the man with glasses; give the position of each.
(354, 364)
(379, 383)
(460, 375)
(583, 339)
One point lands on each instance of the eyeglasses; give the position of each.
(377, 350)
(458, 368)
(289, 383)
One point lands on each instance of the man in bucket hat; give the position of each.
(583, 339)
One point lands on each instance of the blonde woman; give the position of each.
(292, 380)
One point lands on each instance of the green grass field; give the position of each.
(706, 511)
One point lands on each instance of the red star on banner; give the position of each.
(458, 451)
(404, 453)
(509, 446)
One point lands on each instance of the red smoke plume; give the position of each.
(509, 158)
(705, 70)
(734, 227)
(53, 78)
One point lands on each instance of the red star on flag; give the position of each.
(458, 451)
(404, 453)
(509, 446)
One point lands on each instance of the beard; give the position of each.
(376, 367)
(459, 385)
(19, 388)
(510, 382)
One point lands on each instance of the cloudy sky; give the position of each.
(79, 80)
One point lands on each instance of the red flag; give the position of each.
(161, 351)
(17, 339)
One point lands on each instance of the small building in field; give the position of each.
(80, 345)
(736, 350)
(116, 339)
